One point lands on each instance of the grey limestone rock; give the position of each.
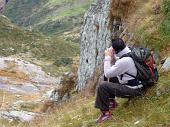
(166, 65)
(18, 115)
(95, 37)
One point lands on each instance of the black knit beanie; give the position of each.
(118, 44)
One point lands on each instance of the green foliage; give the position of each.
(63, 61)
(48, 16)
(166, 6)
(20, 11)
(149, 40)
(165, 25)
(15, 40)
(54, 49)
(154, 32)
(151, 110)
(143, 36)
(75, 10)
(44, 50)
(57, 27)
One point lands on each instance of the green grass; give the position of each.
(14, 39)
(166, 6)
(73, 11)
(46, 15)
(151, 110)
(56, 2)
(165, 24)
(20, 39)
(47, 51)
(20, 11)
(154, 30)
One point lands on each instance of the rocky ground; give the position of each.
(23, 87)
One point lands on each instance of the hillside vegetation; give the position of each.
(150, 24)
(33, 46)
(48, 16)
(150, 110)
(14, 39)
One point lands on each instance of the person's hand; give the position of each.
(109, 52)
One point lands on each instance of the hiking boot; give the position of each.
(105, 115)
(112, 104)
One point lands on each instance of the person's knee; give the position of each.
(102, 85)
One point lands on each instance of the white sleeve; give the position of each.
(120, 67)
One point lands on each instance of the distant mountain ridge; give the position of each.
(48, 16)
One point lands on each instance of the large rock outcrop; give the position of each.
(95, 37)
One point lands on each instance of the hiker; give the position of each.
(122, 84)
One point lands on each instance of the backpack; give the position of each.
(147, 73)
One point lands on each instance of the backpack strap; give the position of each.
(121, 77)
(126, 55)
(131, 75)
(132, 82)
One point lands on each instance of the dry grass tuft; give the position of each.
(12, 71)
(119, 9)
(14, 74)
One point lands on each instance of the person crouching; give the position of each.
(123, 85)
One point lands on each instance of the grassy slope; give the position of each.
(151, 30)
(14, 39)
(19, 39)
(150, 111)
(47, 15)
(153, 110)
(48, 51)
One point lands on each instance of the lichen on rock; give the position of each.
(102, 22)
(95, 37)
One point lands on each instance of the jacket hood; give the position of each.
(124, 51)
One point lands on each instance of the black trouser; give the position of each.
(108, 90)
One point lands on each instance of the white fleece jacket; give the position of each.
(119, 67)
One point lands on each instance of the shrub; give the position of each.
(63, 61)
(165, 25)
(166, 6)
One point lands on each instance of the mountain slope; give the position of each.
(150, 110)
(19, 39)
(150, 24)
(35, 47)
(14, 39)
(48, 16)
